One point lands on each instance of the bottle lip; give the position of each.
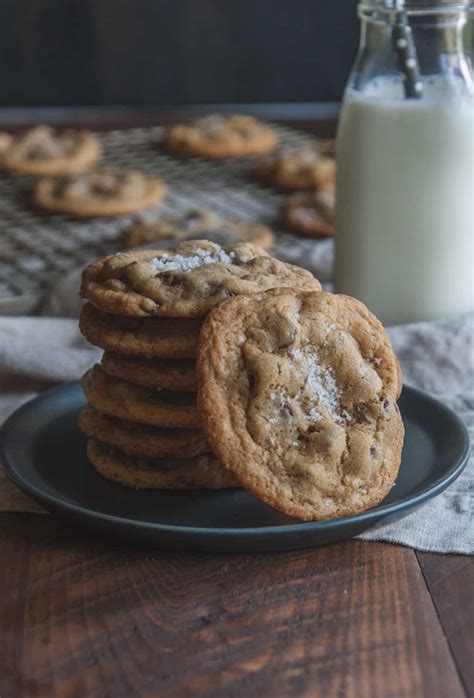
(417, 6)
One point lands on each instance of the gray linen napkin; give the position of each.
(439, 358)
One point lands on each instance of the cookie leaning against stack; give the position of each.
(145, 309)
(298, 398)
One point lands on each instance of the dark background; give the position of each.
(162, 52)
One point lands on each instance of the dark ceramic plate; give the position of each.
(44, 453)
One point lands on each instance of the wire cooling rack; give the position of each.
(36, 249)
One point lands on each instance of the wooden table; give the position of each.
(85, 617)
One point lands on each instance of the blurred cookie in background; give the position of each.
(196, 225)
(43, 150)
(221, 136)
(99, 193)
(310, 213)
(327, 146)
(300, 168)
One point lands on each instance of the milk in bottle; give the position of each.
(405, 187)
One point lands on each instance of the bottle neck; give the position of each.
(441, 37)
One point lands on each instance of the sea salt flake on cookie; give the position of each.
(199, 259)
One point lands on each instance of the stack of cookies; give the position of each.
(145, 309)
(225, 367)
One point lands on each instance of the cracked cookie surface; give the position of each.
(186, 281)
(297, 395)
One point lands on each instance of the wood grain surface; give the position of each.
(81, 617)
(450, 580)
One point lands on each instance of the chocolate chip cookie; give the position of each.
(297, 395)
(149, 337)
(159, 374)
(201, 472)
(186, 281)
(46, 151)
(102, 193)
(134, 403)
(302, 168)
(310, 213)
(140, 440)
(196, 224)
(221, 136)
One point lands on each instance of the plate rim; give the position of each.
(58, 502)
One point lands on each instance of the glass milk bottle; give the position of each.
(405, 164)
